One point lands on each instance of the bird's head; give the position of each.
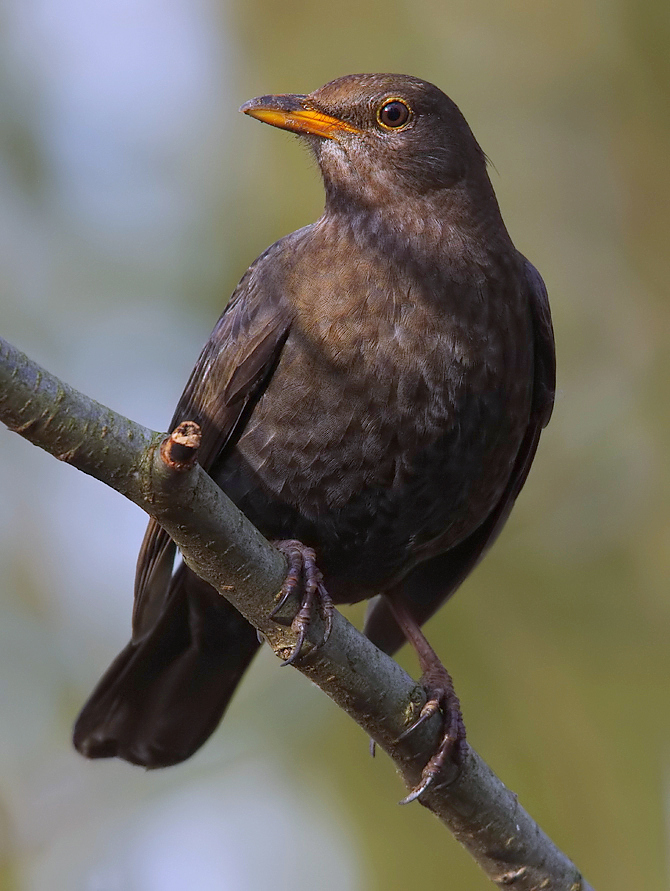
(379, 138)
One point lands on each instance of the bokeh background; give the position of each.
(132, 197)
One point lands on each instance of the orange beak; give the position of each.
(293, 112)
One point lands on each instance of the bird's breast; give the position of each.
(391, 423)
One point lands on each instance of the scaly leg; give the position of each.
(303, 574)
(441, 698)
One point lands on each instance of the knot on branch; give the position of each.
(179, 450)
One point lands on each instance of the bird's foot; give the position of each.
(442, 698)
(305, 579)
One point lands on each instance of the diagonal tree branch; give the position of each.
(220, 545)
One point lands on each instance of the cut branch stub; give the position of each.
(179, 450)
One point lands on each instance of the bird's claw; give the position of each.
(304, 574)
(429, 709)
(443, 699)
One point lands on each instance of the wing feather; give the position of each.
(232, 369)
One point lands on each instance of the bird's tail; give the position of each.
(166, 692)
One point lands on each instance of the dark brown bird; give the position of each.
(375, 389)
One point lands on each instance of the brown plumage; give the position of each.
(375, 388)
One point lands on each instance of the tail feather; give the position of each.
(165, 693)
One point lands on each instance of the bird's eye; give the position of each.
(393, 114)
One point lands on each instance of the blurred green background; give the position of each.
(132, 197)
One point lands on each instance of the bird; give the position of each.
(372, 398)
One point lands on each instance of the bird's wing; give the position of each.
(432, 582)
(544, 383)
(229, 376)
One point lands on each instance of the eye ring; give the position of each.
(394, 114)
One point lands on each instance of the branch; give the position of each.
(160, 474)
